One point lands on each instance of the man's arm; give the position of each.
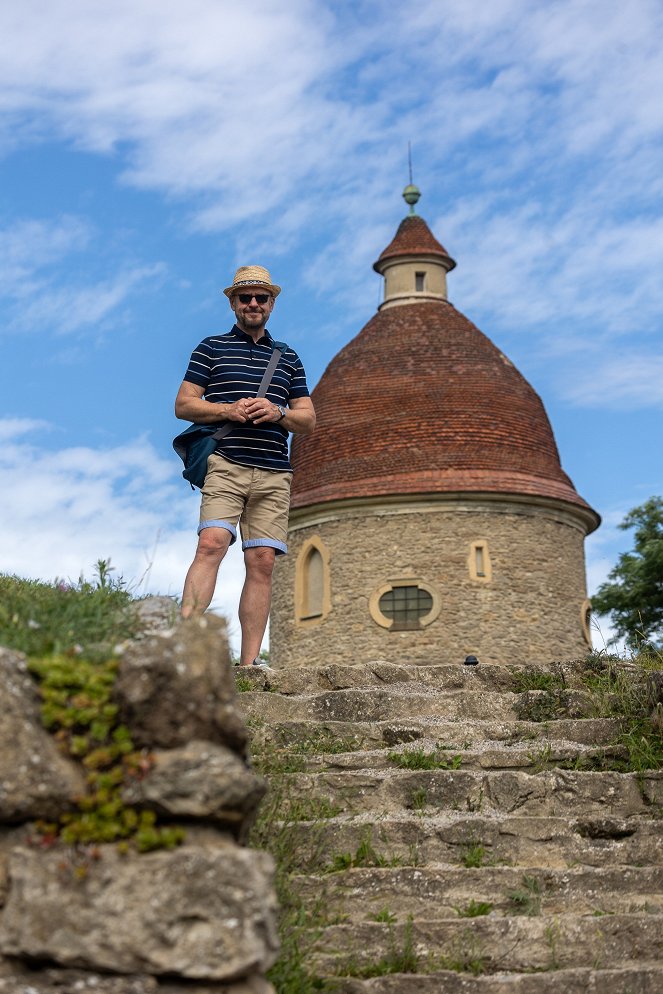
(190, 406)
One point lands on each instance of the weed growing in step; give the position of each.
(465, 956)
(542, 705)
(418, 759)
(475, 909)
(474, 856)
(532, 679)
(325, 741)
(540, 759)
(365, 856)
(385, 916)
(631, 691)
(419, 800)
(244, 684)
(526, 900)
(552, 936)
(400, 958)
(299, 927)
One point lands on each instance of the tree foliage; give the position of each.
(633, 592)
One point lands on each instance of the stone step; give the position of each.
(413, 840)
(490, 755)
(552, 793)
(400, 701)
(323, 736)
(359, 894)
(337, 676)
(447, 676)
(646, 978)
(492, 944)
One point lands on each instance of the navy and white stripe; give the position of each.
(230, 367)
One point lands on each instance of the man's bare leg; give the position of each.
(213, 543)
(255, 601)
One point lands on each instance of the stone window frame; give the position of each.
(420, 282)
(384, 622)
(585, 620)
(480, 546)
(302, 619)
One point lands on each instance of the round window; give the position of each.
(404, 606)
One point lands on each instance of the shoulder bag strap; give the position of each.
(262, 389)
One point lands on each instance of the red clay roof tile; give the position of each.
(414, 237)
(422, 402)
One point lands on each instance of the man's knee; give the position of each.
(213, 543)
(259, 561)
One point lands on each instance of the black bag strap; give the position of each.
(277, 352)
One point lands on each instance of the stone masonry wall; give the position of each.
(529, 611)
(200, 917)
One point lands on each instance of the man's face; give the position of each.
(250, 313)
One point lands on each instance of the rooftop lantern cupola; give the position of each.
(414, 264)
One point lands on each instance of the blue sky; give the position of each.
(149, 147)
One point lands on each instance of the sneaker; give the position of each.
(261, 662)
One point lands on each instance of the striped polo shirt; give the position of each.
(230, 367)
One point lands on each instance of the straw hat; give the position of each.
(252, 276)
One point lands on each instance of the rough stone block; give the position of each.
(193, 913)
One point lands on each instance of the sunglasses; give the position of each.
(260, 298)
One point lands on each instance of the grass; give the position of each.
(475, 855)
(419, 799)
(542, 705)
(365, 856)
(401, 958)
(385, 916)
(526, 900)
(531, 679)
(418, 759)
(474, 909)
(85, 618)
(299, 926)
(629, 690)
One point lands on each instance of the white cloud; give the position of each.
(539, 123)
(36, 258)
(75, 506)
(632, 381)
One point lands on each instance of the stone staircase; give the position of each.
(455, 829)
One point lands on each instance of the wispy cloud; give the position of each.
(629, 380)
(36, 284)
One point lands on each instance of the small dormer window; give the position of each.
(419, 280)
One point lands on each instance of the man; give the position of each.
(249, 475)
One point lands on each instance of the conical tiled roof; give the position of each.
(422, 402)
(414, 237)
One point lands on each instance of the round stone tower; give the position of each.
(431, 518)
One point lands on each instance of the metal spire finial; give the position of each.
(411, 193)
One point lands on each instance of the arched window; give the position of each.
(312, 589)
(404, 605)
(586, 619)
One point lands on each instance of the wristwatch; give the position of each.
(281, 411)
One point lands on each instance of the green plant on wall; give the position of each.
(77, 709)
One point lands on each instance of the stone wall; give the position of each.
(529, 609)
(82, 918)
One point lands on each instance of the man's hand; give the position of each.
(259, 410)
(237, 411)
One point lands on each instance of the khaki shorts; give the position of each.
(259, 499)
